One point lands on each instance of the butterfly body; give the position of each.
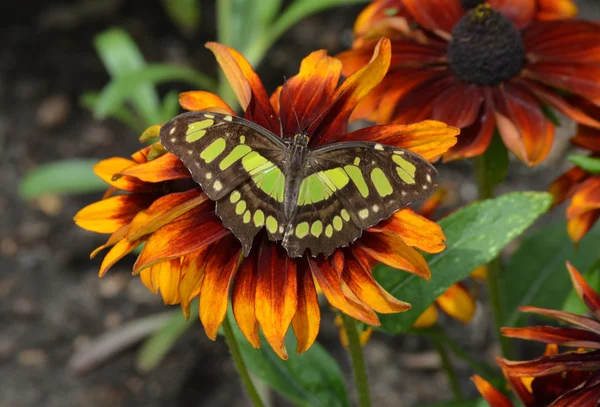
(307, 198)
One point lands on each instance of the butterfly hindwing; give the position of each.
(353, 186)
(221, 151)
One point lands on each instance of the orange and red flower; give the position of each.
(493, 67)
(556, 379)
(188, 252)
(580, 186)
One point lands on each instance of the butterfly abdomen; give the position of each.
(295, 169)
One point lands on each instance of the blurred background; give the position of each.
(52, 303)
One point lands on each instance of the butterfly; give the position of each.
(307, 198)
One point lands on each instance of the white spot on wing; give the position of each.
(378, 147)
(217, 186)
(173, 139)
(172, 131)
(428, 178)
(363, 213)
(208, 175)
(375, 208)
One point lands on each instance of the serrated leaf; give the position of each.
(121, 56)
(74, 176)
(475, 235)
(589, 164)
(312, 379)
(114, 94)
(537, 275)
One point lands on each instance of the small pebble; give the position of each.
(32, 357)
(53, 111)
(50, 205)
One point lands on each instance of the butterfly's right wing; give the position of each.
(237, 163)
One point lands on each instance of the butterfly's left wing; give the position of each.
(350, 187)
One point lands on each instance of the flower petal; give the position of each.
(587, 198)
(573, 42)
(576, 320)
(107, 169)
(333, 125)
(118, 251)
(429, 138)
(436, 15)
(375, 12)
(549, 10)
(490, 394)
(459, 105)
(247, 86)
(164, 168)
(308, 316)
(330, 282)
(587, 138)
(427, 319)
(567, 184)
(458, 303)
(523, 126)
(169, 276)
(362, 284)
(585, 292)
(191, 231)
(582, 79)
(552, 364)
(276, 300)
(108, 215)
(196, 100)
(192, 274)
(475, 139)
(391, 250)
(415, 230)
(163, 211)
(553, 99)
(580, 225)
(309, 93)
(520, 12)
(220, 267)
(243, 298)
(559, 336)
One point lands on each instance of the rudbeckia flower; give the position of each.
(481, 67)
(580, 186)
(556, 379)
(189, 253)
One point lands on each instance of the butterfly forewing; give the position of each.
(237, 164)
(350, 187)
(221, 151)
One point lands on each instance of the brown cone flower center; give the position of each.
(486, 48)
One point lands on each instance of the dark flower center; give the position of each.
(486, 48)
(469, 4)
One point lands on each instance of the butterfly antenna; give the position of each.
(287, 90)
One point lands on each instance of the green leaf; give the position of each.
(312, 379)
(157, 346)
(75, 176)
(589, 164)
(475, 235)
(121, 57)
(89, 100)
(291, 15)
(114, 94)
(496, 160)
(537, 274)
(185, 13)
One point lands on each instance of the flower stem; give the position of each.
(239, 363)
(358, 362)
(486, 191)
(448, 368)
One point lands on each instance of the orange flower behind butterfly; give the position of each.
(482, 67)
(188, 253)
(556, 379)
(580, 186)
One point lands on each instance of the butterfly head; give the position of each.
(301, 139)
